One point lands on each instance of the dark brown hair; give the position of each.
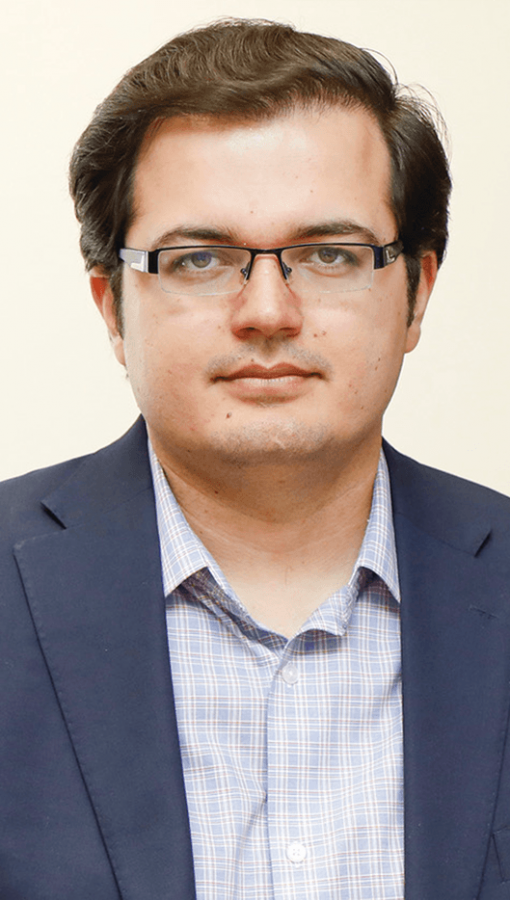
(249, 70)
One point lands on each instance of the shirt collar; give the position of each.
(378, 551)
(183, 553)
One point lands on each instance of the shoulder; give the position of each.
(21, 498)
(49, 497)
(414, 482)
(452, 509)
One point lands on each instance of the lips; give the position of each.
(281, 370)
(267, 385)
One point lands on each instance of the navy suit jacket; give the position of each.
(92, 800)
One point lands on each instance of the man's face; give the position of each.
(200, 367)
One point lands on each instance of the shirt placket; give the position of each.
(289, 842)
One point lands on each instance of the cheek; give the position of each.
(165, 360)
(383, 362)
(367, 358)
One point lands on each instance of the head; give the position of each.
(253, 135)
(249, 71)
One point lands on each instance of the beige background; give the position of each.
(63, 394)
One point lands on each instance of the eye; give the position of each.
(332, 256)
(202, 259)
(328, 254)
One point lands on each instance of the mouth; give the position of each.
(273, 373)
(268, 385)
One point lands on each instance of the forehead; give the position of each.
(262, 181)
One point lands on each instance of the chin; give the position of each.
(272, 442)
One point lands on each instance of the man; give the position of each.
(207, 625)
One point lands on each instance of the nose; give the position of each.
(266, 304)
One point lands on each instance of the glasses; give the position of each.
(209, 270)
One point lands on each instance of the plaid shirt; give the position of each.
(291, 748)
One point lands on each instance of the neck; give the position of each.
(290, 533)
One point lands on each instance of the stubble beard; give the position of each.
(272, 444)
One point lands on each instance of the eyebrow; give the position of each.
(182, 233)
(329, 229)
(337, 228)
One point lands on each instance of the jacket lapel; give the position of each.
(456, 676)
(96, 597)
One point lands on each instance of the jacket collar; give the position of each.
(103, 480)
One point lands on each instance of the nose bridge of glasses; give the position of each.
(273, 251)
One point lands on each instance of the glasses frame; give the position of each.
(148, 260)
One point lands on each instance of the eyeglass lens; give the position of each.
(206, 271)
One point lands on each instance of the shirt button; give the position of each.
(296, 852)
(290, 674)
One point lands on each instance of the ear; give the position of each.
(103, 298)
(428, 276)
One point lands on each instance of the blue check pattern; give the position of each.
(292, 748)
